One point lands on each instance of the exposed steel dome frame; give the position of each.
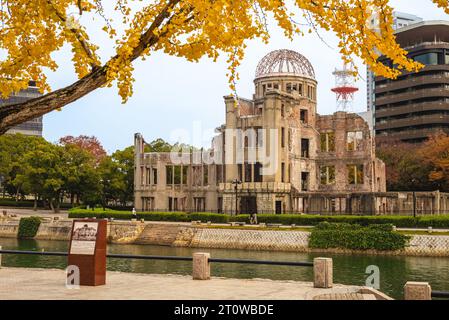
(284, 62)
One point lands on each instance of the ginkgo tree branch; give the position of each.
(33, 30)
(14, 114)
(77, 34)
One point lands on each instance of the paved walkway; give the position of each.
(25, 284)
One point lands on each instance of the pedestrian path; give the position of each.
(32, 283)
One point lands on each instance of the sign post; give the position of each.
(88, 251)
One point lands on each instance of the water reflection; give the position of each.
(348, 269)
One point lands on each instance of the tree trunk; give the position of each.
(35, 203)
(58, 206)
(50, 202)
(17, 194)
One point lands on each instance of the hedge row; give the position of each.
(286, 219)
(28, 227)
(313, 220)
(14, 203)
(27, 204)
(150, 216)
(346, 236)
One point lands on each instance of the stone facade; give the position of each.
(275, 145)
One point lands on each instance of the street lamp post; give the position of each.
(236, 182)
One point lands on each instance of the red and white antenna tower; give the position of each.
(344, 88)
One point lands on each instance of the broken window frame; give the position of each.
(327, 141)
(355, 174)
(154, 175)
(327, 175)
(305, 152)
(304, 116)
(354, 140)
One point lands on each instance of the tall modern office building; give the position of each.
(33, 127)
(400, 20)
(416, 104)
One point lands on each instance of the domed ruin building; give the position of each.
(274, 154)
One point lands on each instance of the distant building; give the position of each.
(368, 117)
(316, 163)
(33, 127)
(416, 105)
(400, 20)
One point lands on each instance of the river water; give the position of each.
(348, 269)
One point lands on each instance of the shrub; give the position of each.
(388, 227)
(28, 227)
(356, 237)
(384, 223)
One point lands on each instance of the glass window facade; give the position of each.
(427, 59)
(32, 127)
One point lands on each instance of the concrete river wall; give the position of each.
(202, 236)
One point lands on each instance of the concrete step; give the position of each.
(159, 234)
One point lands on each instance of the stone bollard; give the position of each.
(394, 228)
(417, 291)
(429, 229)
(322, 273)
(201, 266)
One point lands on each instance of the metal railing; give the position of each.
(440, 294)
(175, 258)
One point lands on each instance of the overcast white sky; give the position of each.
(171, 94)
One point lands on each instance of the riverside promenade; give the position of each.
(49, 284)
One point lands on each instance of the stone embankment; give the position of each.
(204, 236)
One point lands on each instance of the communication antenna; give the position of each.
(344, 88)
